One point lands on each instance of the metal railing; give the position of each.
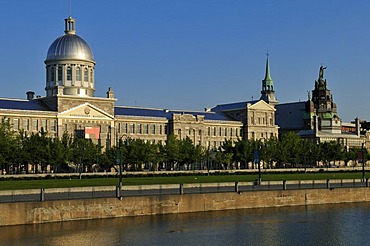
(32, 195)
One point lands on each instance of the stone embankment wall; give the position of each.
(56, 211)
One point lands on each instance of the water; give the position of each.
(344, 224)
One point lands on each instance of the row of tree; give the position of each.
(21, 153)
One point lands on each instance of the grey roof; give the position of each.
(289, 116)
(148, 112)
(232, 106)
(19, 104)
(70, 46)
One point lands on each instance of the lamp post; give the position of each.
(256, 161)
(119, 159)
(363, 162)
(119, 162)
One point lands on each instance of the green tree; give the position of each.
(9, 146)
(171, 151)
(225, 154)
(330, 152)
(244, 150)
(290, 149)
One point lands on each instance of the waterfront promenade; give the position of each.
(65, 204)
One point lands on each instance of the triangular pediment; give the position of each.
(261, 105)
(86, 111)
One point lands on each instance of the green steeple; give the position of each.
(268, 83)
(267, 93)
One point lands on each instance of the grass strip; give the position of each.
(88, 182)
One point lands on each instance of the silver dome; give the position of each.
(70, 46)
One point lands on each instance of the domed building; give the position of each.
(69, 106)
(70, 65)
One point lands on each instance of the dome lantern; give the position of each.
(70, 25)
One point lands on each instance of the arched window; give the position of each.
(78, 74)
(60, 73)
(91, 75)
(69, 73)
(86, 75)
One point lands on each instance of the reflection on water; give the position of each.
(344, 224)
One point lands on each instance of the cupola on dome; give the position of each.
(70, 46)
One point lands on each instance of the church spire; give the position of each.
(268, 93)
(267, 74)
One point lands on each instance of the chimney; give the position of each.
(110, 93)
(30, 95)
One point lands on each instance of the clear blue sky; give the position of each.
(192, 54)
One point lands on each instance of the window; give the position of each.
(91, 75)
(160, 129)
(69, 73)
(220, 132)
(166, 130)
(152, 130)
(60, 73)
(26, 124)
(35, 126)
(208, 131)
(146, 129)
(132, 128)
(65, 128)
(16, 124)
(139, 129)
(86, 75)
(231, 132)
(52, 74)
(43, 125)
(225, 131)
(124, 130)
(53, 126)
(78, 74)
(214, 131)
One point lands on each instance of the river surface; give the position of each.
(344, 224)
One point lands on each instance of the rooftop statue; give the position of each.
(321, 73)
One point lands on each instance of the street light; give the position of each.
(256, 161)
(119, 159)
(363, 162)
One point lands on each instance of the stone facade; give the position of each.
(69, 106)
